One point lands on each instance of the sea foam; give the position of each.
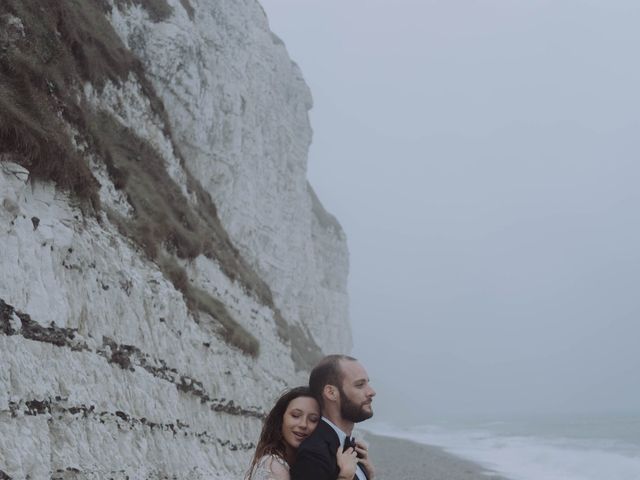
(529, 457)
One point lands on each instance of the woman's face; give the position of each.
(300, 419)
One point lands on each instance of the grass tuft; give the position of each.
(199, 300)
(189, 9)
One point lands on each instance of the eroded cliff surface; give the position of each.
(166, 270)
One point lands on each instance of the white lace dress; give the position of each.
(271, 467)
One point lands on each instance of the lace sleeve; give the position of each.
(271, 467)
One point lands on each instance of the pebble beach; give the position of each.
(397, 459)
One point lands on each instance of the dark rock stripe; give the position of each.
(61, 337)
(127, 357)
(72, 473)
(56, 408)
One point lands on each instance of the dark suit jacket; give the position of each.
(316, 456)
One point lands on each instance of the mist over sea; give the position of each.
(552, 447)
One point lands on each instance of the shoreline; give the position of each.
(400, 459)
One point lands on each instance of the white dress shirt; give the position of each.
(342, 436)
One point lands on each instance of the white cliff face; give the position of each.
(110, 373)
(105, 372)
(238, 108)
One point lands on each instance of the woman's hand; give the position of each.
(347, 463)
(362, 449)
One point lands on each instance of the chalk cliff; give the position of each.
(166, 268)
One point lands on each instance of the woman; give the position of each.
(292, 419)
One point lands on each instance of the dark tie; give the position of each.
(349, 442)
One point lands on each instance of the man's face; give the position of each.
(356, 393)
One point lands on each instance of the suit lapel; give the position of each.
(332, 437)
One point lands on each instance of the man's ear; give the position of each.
(330, 393)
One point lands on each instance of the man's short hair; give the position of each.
(327, 372)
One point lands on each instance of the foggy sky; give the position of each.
(483, 158)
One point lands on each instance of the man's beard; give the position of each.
(352, 411)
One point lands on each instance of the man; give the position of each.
(341, 386)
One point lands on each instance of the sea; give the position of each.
(543, 447)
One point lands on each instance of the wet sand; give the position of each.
(396, 459)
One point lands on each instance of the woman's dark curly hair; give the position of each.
(271, 440)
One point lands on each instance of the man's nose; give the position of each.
(372, 392)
